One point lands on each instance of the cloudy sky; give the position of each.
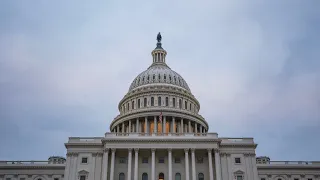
(253, 65)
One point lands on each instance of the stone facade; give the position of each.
(159, 135)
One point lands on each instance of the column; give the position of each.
(68, 164)
(137, 126)
(196, 128)
(118, 129)
(105, 164)
(254, 166)
(129, 126)
(146, 124)
(75, 166)
(153, 165)
(186, 161)
(123, 128)
(112, 163)
(201, 129)
(170, 163)
(155, 128)
(229, 162)
(136, 162)
(94, 157)
(189, 127)
(164, 124)
(173, 125)
(217, 163)
(193, 159)
(210, 164)
(181, 126)
(129, 163)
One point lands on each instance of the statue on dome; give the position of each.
(159, 37)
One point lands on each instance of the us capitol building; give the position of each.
(159, 135)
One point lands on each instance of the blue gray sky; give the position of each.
(253, 65)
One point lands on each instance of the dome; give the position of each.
(159, 73)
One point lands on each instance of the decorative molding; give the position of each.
(106, 150)
(302, 175)
(186, 150)
(269, 175)
(289, 175)
(129, 149)
(216, 150)
(113, 150)
(136, 149)
(153, 149)
(169, 149)
(209, 150)
(192, 150)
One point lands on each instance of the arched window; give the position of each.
(174, 102)
(185, 105)
(144, 176)
(159, 77)
(152, 101)
(138, 103)
(167, 101)
(178, 176)
(121, 176)
(180, 103)
(161, 176)
(145, 102)
(200, 176)
(159, 101)
(132, 105)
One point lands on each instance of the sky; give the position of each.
(253, 65)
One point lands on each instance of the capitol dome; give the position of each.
(159, 90)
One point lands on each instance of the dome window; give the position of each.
(167, 101)
(159, 77)
(169, 78)
(159, 101)
(145, 102)
(148, 78)
(143, 79)
(174, 102)
(128, 106)
(164, 77)
(190, 107)
(152, 101)
(138, 103)
(185, 105)
(175, 79)
(154, 77)
(180, 103)
(132, 105)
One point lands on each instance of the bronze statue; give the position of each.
(159, 37)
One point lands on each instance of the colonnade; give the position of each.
(153, 164)
(154, 125)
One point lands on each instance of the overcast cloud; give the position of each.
(253, 65)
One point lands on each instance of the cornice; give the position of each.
(84, 145)
(34, 166)
(238, 145)
(159, 140)
(287, 166)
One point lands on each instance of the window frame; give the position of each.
(86, 158)
(237, 158)
(143, 160)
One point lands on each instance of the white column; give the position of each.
(181, 126)
(136, 162)
(186, 161)
(137, 126)
(129, 163)
(94, 157)
(189, 127)
(229, 163)
(68, 164)
(164, 124)
(153, 165)
(173, 125)
(201, 129)
(210, 164)
(112, 163)
(196, 128)
(155, 128)
(193, 159)
(254, 166)
(129, 126)
(146, 124)
(217, 163)
(118, 129)
(105, 164)
(170, 163)
(123, 128)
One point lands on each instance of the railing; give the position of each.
(236, 140)
(86, 139)
(29, 162)
(182, 135)
(292, 162)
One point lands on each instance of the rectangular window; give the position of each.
(200, 160)
(152, 101)
(138, 103)
(132, 105)
(159, 101)
(239, 177)
(145, 102)
(22, 178)
(84, 160)
(8, 178)
(82, 177)
(174, 102)
(56, 179)
(237, 160)
(263, 178)
(161, 159)
(185, 105)
(122, 160)
(296, 179)
(145, 160)
(177, 160)
(167, 101)
(310, 179)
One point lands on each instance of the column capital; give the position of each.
(153, 149)
(113, 150)
(192, 149)
(69, 154)
(186, 150)
(99, 154)
(94, 154)
(136, 149)
(129, 149)
(169, 149)
(209, 150)
(106, 150)
(216, 150)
